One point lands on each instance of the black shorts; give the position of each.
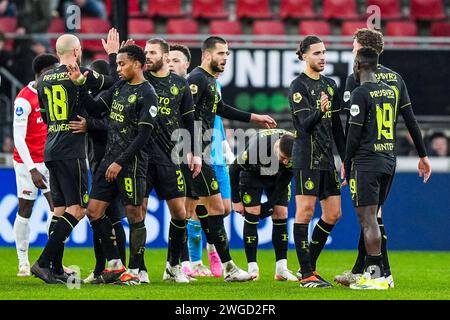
(252, 184)
(187, 174)
(369, 188)
(204, 185)
(319, 183)
(129, 186)
(168, 181)
(69, 182)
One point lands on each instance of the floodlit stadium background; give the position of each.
(263, 36)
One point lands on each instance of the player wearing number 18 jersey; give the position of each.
(64, 153)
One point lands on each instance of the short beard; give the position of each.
(316, 68)
(156, 66)
(215, 66)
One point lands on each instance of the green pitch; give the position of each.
(418, 275)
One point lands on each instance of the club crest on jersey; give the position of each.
(132, 98)
(309, 185)
(354, 110)
(346, 96)
(19, 111)
(174, 90)
(247, 198)
(96, 74)
(330, 91)
(194, 88)
(297, 97)
(153, 111)
(116, 93)
(214, 185)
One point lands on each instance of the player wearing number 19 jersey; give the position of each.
(374, 39)
(370, 159)
(64, 153)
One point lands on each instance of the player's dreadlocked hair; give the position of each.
(183, 49)
(162, 43)
(304, 45)
(370, 38)
(43, 61)
(210, 42)
(134, 52)
(286, 144)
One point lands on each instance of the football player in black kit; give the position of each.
(132, 102)
(208, 102)
(374, 39)
(315, 107)
(65, 157)
(175, 111)
(264, 165)
(96, 126)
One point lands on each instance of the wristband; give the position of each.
(81, 80)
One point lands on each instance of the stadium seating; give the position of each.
(209, 9)
(427, 9)
(133, 8)
(139, 27)
(339, 9)
(8, 24)
(165, 8)
(57, 26)
(100, 56)
(225, 27)
(253, 9)
(297, 9)
(390, 9)
(401, 29)
(348, 28)
(317, 27)
(440, 29)
(180, 27)
(97, 26)
(268, 27)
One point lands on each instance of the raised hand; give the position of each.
(111, 45)
(129, 42)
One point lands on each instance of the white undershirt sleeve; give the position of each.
(22, 109)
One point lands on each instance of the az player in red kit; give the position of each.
(30, 133)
